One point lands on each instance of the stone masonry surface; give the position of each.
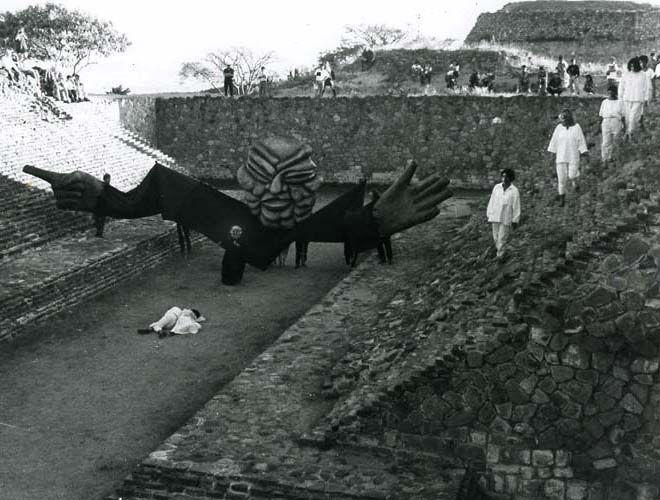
(371, 137)
(577, 21)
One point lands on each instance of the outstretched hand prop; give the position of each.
(404, 205)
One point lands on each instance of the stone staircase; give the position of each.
(36, 237)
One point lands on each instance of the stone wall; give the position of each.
(373, 137)
(552, 21)
(138, 114)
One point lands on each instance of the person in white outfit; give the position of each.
(176, 321)
(503, 210)
(612, 121)
(568, 144)
(633, 93)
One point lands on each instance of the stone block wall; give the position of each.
(372, 137)
(590, 21)
(139, 116)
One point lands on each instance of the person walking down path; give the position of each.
(633, 93)
(228, 74)
(612, 122)
(503, 210)
(568, 145)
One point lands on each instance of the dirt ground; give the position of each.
(84, 398)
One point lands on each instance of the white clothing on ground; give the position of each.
(504, 205)
(500, 236)
(568, 144)
(612, 112)
(179, 321)
(566, 171)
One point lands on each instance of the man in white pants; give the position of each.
(633, 93)
(503, 210)
(567, 143)
(612, 119)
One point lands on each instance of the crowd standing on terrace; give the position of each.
(40, 78)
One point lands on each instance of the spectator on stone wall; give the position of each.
(228, 74)
(573, 72)
(503, 210)
(80, 88)
(99, 220)
(633, 93)
(523, 80)
(589, 84)
(427, 73)
(262, 78)
(555, 85)
(488, 81)
(416, 71)
(451, 77)
(367, 59)
(561, 71)
(21, 43)
(542, 81)
(473, 81)
(612, 121)
(568, 145)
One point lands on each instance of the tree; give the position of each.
(371, 35)
(67, 36)
(246, 66)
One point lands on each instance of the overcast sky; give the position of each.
(166, 33)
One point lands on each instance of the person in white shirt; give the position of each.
(633, 93)
(176, 321)
(320, 76)
(503, 210)
(612, 120)
(568, 144)
(650, 74)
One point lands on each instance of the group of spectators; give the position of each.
(29, 76)
(621, 114)
(422, 72)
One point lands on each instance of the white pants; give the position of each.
(500, 236)
(611, 129)
(566, 171)
(633, 111)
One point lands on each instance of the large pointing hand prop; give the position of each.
(73, 191)
(404, 205)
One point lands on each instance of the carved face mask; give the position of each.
(280, 182)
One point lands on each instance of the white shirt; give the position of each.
(633, 87)
(611, 108)
(179, 321)
(321, 75)
(504, 205)
(568, 144)
(650, 74)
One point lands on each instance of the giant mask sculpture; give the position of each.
(280, 180)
